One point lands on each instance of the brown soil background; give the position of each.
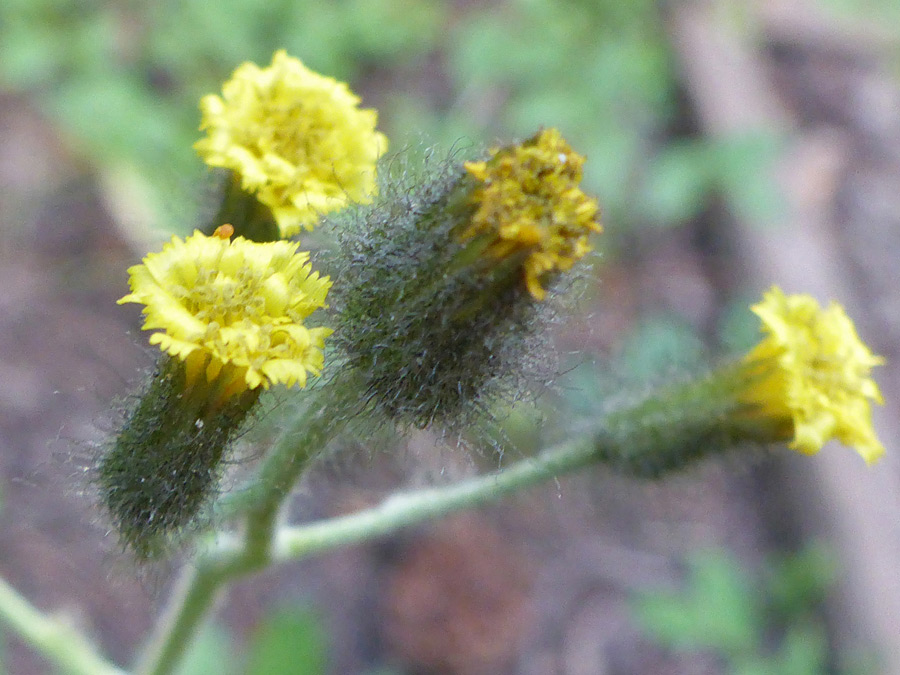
(539, 583)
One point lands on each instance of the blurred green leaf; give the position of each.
(668, 619)
(723, 597)
(209, 654)
(291, 642)
(41, 43)
(752, 665)
(801, 581)
(660, 345)
(804, 650)
(715, 611)
(112, 115)
(724, 611)
(883, 12)
(28, 54)
(738, 329)
(743, 169)
(387, 29)
(677, 183)
(611, 164)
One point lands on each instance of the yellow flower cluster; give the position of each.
(233, 309)
(813, 371)
(529, 203)
(296, 139)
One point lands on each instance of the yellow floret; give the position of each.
(814, 371)
(233, 308)
(529, 202)
(296, 139)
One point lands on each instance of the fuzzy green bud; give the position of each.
(230, 316)
(674, 427)
(443, 276)
(807, 381)
(164, 464)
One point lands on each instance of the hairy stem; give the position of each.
(328, 413)
(408, 508)
(193, 598)
(259, 504)
(53, 637)
(662, 433)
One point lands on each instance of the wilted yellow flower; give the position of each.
(296, 139)
(233, 310)
(529, 202)
(813, 372)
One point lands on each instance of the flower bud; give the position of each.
(443, 277)
(807, 382)
(294, 140)
(229, 315)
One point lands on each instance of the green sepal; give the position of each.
(676, 426)
(249, 217)
(165, 463)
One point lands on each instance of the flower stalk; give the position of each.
(52, 636)
(669, 430)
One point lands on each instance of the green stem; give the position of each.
(408, 508)
(53, 637)
(668, 431)
(197, 591)
(259, 503)
(195, 595)
(329, 412)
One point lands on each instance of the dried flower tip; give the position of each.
(528, 202)
(224, 231)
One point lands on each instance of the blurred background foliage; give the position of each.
(762, 622)
(121, 81)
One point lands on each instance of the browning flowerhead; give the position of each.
(445, 272)
(529, 203)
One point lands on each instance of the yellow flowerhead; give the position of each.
(528, 202)
(233, 309)
(296, 139)
(813, 371)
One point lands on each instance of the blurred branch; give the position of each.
(228, 558)
(409, 508)
(54, 637)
